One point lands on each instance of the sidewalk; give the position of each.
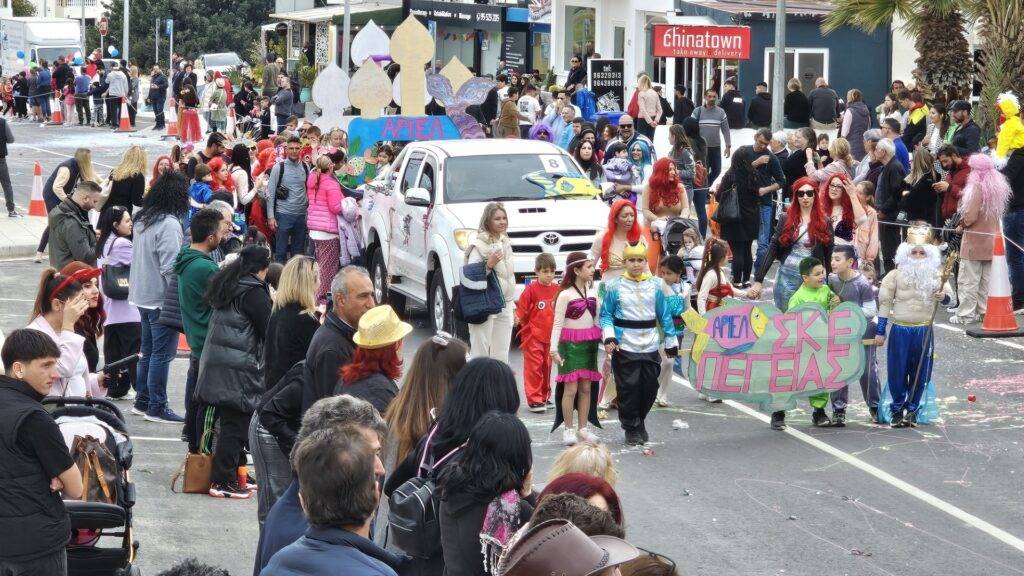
(19, 237)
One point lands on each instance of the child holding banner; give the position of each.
(574, 340)
(812, 290)
(635, 317)
(851, 286)
(671, 269)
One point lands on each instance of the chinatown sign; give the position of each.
(685, 41)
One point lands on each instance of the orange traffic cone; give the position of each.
(183, 347)
(36, 206)
(125, 125)
(999, 319)
(172, 123)
(57, 118)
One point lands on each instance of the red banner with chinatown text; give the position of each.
(686, 41)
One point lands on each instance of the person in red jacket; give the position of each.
(951, 188)
(535, 311)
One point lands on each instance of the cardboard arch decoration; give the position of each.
(412, 47)
(330, 94)
(456, 73)
(370, 42)
(370, 89)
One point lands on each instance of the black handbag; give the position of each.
(114, 280)
(728, 211)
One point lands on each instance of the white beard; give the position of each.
(921, 274)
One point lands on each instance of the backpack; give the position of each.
(414, 507)
(277, 193)
(700, 175)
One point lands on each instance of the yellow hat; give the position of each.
(637, 250)
(379, 327)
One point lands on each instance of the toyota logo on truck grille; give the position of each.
(551, 238)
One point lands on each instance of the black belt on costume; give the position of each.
(623, 323)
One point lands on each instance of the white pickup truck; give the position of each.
(420, 213)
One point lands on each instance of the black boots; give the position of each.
(779, 420)
(819, 418)
(839, 418)
(897, 420)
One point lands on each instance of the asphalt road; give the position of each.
(722, 496)
(725, 495)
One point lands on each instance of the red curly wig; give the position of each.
(664, 187)
(632, 236)
(817, 229)
(844, 200)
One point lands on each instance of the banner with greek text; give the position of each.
(752, 352)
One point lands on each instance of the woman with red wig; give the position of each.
(222, 177)
(163, 164)
(842, 207)
(803, 231)
(663, 198)
(377, 362)
(595, 490)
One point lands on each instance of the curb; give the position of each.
(20, 237)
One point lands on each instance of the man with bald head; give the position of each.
(824, 106)
(628, 135)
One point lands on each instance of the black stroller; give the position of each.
(96, 526)
(672, 234)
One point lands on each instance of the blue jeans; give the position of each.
(714, 163)
(1013, 230)
(290, 236)
(159, 344)
(764, 235)
(700, 203)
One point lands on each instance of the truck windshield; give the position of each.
(500, 177)
(225, 59)
(51, 53)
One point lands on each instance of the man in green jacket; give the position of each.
(194, 267)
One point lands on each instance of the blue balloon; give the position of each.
(78, 61)
(114, 52)
(21, 53)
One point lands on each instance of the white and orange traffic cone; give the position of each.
(172, 123)
(37, 206)
(125, 125)
(183, 347)
(999, 320)
(57, 118)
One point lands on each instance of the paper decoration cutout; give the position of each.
(370, 42)
(364, 133)
(472, 91)
(412, 46)
(754, 353)
(456, 73)
(369, 89)
(396, 91)
(564, 187)
(330, 94)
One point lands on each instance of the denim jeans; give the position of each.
(159, 344)
(290, 236)
(714, 163)
(158, 112)
(700, 204)
(1013, 230)
(764, 235)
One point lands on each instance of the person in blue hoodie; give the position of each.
(43, 89)
(82, 85)
(200, 194)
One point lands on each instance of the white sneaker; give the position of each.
(586, 435)
(568, 437)
(963, 320)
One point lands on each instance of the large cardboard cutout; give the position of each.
(370, 43)
(412, 46)
(471, 92)
(370, 89)
(330, 94)
(364, 133)
(753, 353)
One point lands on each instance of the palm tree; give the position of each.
(944, 65)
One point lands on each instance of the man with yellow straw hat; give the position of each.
(377, 364)
(635, 306)
(906, 305)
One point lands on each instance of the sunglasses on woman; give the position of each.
(802, 193)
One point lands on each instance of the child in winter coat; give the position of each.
(200, 193)
(348, 233)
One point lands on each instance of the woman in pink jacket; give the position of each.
(325, 198)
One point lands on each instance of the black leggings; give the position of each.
(119, 341)
(742, 260)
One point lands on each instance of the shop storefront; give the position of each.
(470, 32)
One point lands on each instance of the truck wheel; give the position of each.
(438, 304)
(381, 291)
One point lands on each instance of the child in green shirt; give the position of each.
(813, 289)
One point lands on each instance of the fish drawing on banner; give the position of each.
(472, 92)
(753, 353)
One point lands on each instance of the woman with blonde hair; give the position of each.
(491, 338)
(591, 458)
(293, 318)
(796, 108)
(842, 162)
(919, 201)
(856, 121)
(61, 183)
(128, 180)
(325, 196)
(427, 382)
(650, 107)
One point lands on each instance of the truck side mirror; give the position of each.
(417, 197)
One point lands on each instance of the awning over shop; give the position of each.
(384, 13)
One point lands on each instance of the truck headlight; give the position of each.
(463, 236)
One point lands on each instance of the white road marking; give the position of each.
(1002, 341)
(155, 439)
(57, 154)
(959, 514)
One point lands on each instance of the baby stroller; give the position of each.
(96, 526)
(672, 234)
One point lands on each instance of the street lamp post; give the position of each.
(124, 33)
(779, 78)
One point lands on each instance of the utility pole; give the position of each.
(779, 78)
(84, 50)
(346, 38)
(124, 33)
(156, 41)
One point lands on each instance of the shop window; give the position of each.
(541, 51)
(580, 24)
(619, 42)
(655, 67)
(805, 64)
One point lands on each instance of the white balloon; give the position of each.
(396, 91)
(369, 42)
